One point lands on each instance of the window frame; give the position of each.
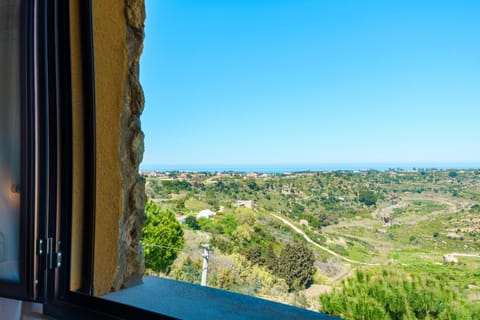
(60, 301)
(47, 167)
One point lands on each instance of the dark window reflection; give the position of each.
(9, 139)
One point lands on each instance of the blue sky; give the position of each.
(250, 82)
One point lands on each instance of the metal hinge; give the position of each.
(58, 259)
(46, 246)
(40, 247)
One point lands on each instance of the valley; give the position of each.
(327, 228)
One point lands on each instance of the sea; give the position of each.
(283, 168)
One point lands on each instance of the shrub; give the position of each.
(189, 270)
(395, 295)
(192, 222)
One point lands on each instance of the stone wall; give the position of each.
(131, 259)
(120, 197)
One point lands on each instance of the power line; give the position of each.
(159, 246)
(198, 250)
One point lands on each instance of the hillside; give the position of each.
(292, 237)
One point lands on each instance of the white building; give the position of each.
(205, 214)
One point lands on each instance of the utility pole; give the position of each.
(205, 254)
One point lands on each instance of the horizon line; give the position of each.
(310, 167)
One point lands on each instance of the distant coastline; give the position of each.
(308, 167)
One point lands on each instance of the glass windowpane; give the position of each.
(9, 140)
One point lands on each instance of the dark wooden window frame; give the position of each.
(47, 167)
(59, 301)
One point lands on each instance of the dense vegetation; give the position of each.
(387, 294)
(405, 224)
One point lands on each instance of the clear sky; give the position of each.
(244, 82)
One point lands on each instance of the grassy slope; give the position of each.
(430, 212)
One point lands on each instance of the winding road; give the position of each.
(452, 207)
(307, 238)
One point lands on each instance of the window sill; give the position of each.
(188, 301)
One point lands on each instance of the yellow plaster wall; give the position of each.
(78, 148)
(110, 45)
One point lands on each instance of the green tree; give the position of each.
(368, 197)
(255, 255)
(253, 186)
(229, 224)
(192, 222)
(176, 186)
(452, 174)
(271, 260)
(162, 238)
(296, 265)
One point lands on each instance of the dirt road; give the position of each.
(300, 232)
